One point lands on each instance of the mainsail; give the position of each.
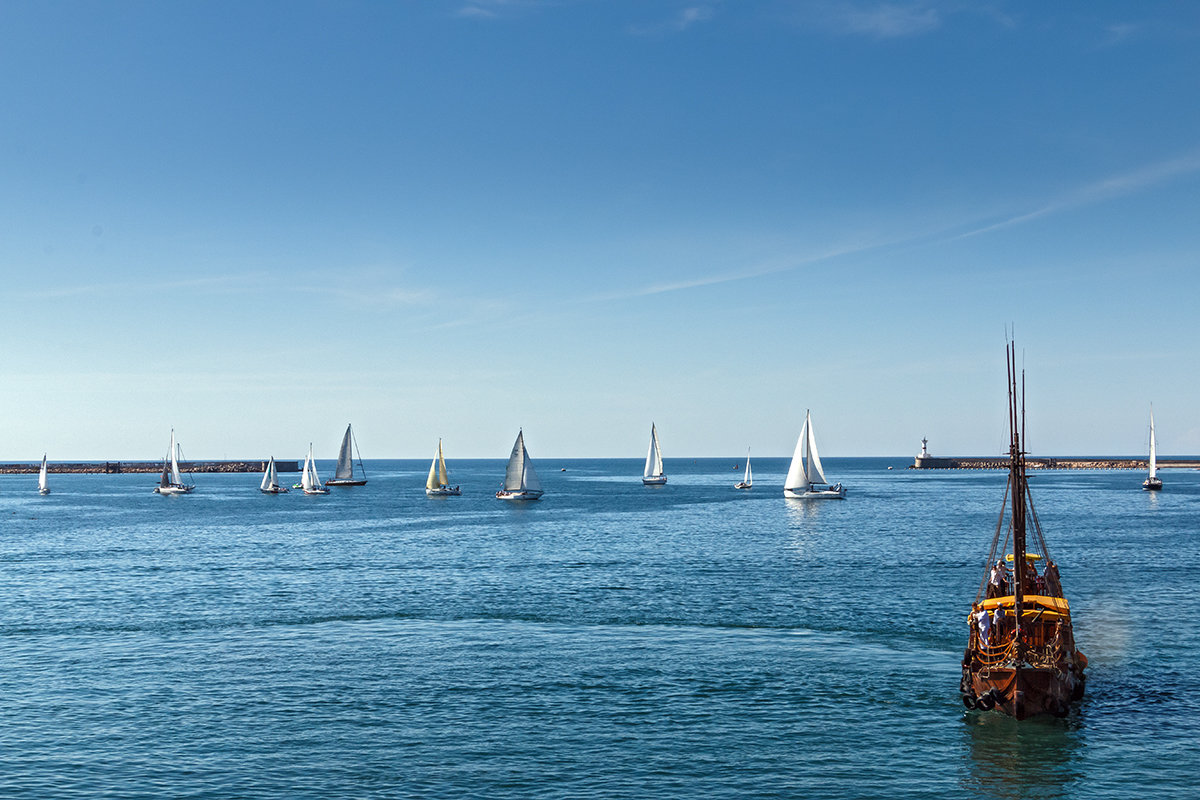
(345, 462)
(268, 481)
(796, 475)
(654, 462)
(520, 475)
(43, 486)
(812, 468)
(749, 477)
(309, 479)
(175, 476)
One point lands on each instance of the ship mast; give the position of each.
(1016, 477)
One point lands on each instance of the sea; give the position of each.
(609, 641)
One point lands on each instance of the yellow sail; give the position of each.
(442, 465)
(432, 481)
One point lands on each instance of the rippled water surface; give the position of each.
(611, 640)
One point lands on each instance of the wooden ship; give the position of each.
(1021, 657)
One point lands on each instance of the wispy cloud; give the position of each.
(758, 270)
(1100, 191)
(1120, 32)
(491, 9)
(888, 21)
(683, 19)
(220, 283)
(878, 20)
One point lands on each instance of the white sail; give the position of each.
(749, 477)
(654, 462)
(175, 476)
(43, 486)
(520, 476)
(438, 479)
(268, 480)
(312, 467)
(529, 478)
(1153, 458)
(306, 479)
(514, 474)
(813, 469)
(796, 478)
(345, 462)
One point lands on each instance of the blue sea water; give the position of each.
(612, 640)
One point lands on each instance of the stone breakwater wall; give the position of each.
(1054, 463)
(119, 467)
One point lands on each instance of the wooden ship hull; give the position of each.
(1025, 691)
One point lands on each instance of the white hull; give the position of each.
(836, 492)
(657, 480)
(173, 489)
(743, 486)
(445, 491)
(274, 490)
(316, 490)
(522, 494)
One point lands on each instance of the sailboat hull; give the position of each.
(743, 486)
(174, 489)
(1152, 485)
(444, 491)
(43, 491)
(274, 490)
(813, 493)
(655, 480)
(518, 494)
(336, 482)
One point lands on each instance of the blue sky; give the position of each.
(258, 221)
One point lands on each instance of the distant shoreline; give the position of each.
(121, 467)
(931, 462)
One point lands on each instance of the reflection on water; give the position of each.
(804, 513)
(1009, 759)
(804, 531)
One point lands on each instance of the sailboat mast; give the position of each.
(807, 441)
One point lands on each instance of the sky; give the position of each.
(256, 222)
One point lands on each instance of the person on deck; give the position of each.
(998, 619)
(984, 622)
(997, 581)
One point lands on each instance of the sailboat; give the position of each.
(270, 483)
(520, 480)
(43, 486)
(1020, 657)
(653, 475)
(805, 478)
(437, 484)
(1152, 483)
(309, 481)
(748, 478)
(171, 480)
(343, 474)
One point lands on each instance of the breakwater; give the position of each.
(118, 467)
(996, 462)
